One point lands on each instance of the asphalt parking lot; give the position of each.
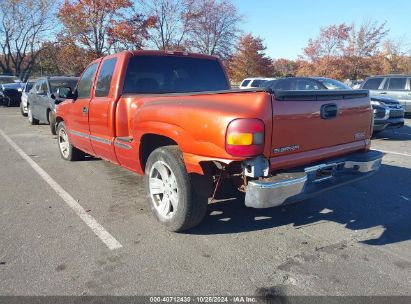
(355, 240)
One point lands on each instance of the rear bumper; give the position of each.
(303, 183)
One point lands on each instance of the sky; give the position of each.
(286, 25)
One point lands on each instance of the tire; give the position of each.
(67, 150)
(31, 119)
(22, 110)
(174, 202)
(52, 122)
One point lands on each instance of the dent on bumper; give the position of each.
(301, 184)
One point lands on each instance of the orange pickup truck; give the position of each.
(173, 117)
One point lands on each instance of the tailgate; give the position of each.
(311, 120)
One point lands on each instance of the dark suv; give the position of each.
(392, 86)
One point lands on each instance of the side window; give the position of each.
(245, 82)
(86, 82)
(284, 84)
(36, 87)
(397, 83)
(104, 77)
(43, 87)
(373, 83)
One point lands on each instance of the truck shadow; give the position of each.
(384, 201)
(401, 134)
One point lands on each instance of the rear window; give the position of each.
(373, 83)
(397, 83)
(66, 83)
(306, 85)
(168, 74)
(332, 84)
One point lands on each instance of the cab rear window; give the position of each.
(172, 74)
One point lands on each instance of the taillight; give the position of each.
(245, 137)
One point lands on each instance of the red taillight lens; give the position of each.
(245, 137)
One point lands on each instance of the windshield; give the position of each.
(332, 84)
(62, 83)
(28, 87)
(170, 74)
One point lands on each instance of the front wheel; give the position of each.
(22, 109)
(32, 120)
(173, 199)
(67, 150)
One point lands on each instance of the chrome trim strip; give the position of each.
(121, 145)
(100, 140)
(80, 134)
(91, 137)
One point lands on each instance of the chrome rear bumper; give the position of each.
(300, 184)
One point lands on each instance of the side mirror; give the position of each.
(65, 93)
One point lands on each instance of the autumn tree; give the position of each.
(249, 59)
(23, 28)
(363, 43)
(214, 27)
(284, 67)
(169, 25)
(342, 51)
(98, 25)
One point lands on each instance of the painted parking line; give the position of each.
(396, 153)
(90, 221)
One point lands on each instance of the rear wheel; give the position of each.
(173, 199)
(32, 120)
(52, 122)
(67, 150)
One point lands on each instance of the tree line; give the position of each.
(42, 37)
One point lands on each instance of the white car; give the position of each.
(24, 95)
(254, 82)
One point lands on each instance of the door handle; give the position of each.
(329, 111)
(85, 110)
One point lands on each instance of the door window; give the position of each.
(397, 83)
(43, 88)
(104, 77)
(373, 83)
(86, 82)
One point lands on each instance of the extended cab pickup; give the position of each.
(173, 117)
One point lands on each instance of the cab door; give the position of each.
(102, 111)
(78, 114)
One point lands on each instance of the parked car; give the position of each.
(393, 86)
(155, 113)
(388, 112)
(41, 100)
(253, 82)
(24, 95)
(10, 94)
(8, 79)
